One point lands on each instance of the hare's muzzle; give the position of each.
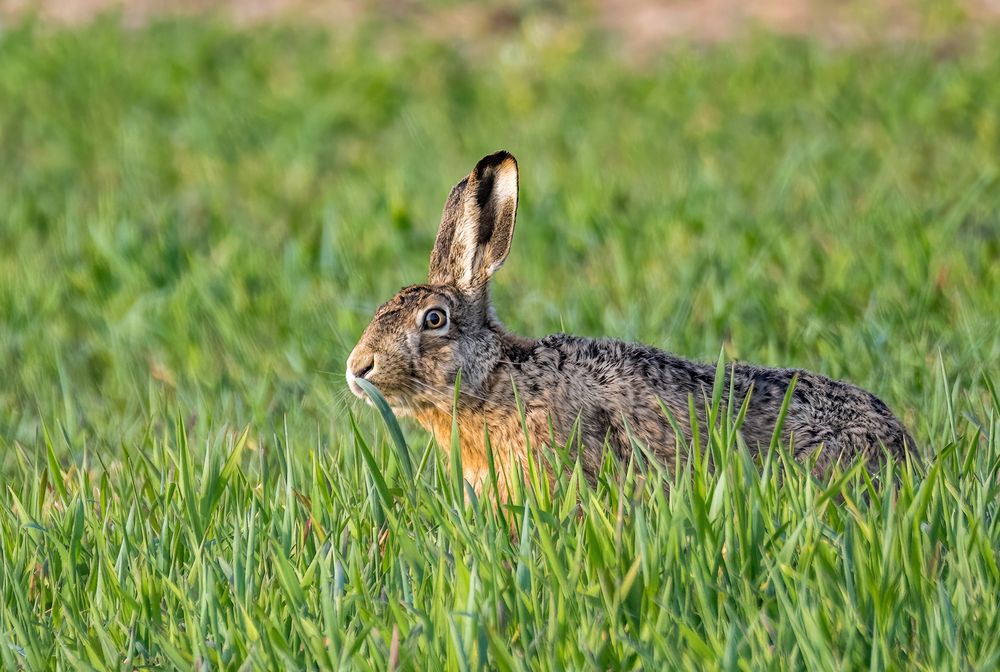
(359, 365)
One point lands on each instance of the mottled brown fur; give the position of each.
(609, 391)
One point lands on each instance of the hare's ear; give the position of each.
(477, 225)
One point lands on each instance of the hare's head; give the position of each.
(420, 339)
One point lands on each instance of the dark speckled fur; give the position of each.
(847, 420)
(605, 390)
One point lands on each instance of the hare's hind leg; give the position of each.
(821, 454)
(848, 449)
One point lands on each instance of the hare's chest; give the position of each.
(478, 435)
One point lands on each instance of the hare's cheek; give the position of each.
(447, 372)
(412, 345)
(437, 366)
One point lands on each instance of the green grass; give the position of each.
(197, 222)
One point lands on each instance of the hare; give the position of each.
(595, 394)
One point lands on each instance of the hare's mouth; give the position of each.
(355, 388)
(358, 392)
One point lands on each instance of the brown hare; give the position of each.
(602, 393)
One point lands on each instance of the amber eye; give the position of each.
(435, 319)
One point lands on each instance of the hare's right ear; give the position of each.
(477, 225)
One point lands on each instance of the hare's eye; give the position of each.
(435, 319)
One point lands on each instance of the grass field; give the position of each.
(196, 223)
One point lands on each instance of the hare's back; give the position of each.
(609, 378)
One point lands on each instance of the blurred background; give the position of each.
(202, 203)
(641, 26)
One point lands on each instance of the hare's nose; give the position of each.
(364, 369)
(360, 363)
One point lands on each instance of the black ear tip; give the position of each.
(495, 160)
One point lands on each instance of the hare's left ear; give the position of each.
(477, 225)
